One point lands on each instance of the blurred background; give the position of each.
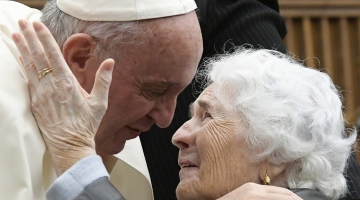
(326, 35)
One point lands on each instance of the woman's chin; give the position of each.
(187, 189)
(183, 192)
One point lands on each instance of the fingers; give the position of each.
(40, 49)
(26, 60)
(52, 51)
(34, 46)
(102, 83)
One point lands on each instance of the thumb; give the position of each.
(100, 91)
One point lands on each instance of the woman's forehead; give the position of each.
(206, 94)
(207, 101)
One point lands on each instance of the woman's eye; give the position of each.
(207, 114)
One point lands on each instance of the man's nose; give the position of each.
(163, 112)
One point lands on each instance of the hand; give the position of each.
(66, 114)
(255, 191)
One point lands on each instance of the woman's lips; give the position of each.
(182, 162)
(187, 165)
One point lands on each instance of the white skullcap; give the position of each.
(124, 10)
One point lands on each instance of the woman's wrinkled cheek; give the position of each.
(216, 159)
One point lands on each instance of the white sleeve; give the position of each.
(74, 180)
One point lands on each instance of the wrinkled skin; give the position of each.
(66, 114)
(147, 80)
(215, 159)
(212, 141)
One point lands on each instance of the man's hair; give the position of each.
(110, 37)
(293, 114)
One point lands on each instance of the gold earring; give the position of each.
(266, 180)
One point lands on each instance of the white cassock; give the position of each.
(25, 167)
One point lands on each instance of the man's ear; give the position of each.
(77, 51)
(273, 171)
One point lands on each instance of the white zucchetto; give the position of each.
(124, 10)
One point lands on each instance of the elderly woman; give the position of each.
(264, 118)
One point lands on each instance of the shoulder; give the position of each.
(309, 194)
(11, 12)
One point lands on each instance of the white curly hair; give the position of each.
(293, 115)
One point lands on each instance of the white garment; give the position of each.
(25, 166)
(131, 162)
(125, 10)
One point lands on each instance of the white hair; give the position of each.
(107, 35)
(293, 115)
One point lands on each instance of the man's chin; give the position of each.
(110, 149)
(118, 148)
(116, 142)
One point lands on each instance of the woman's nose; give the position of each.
(184, 136)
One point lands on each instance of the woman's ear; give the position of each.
(77, 50)
(273, 171)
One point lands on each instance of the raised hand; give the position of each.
(66, 114)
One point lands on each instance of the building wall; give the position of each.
(326, 33)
